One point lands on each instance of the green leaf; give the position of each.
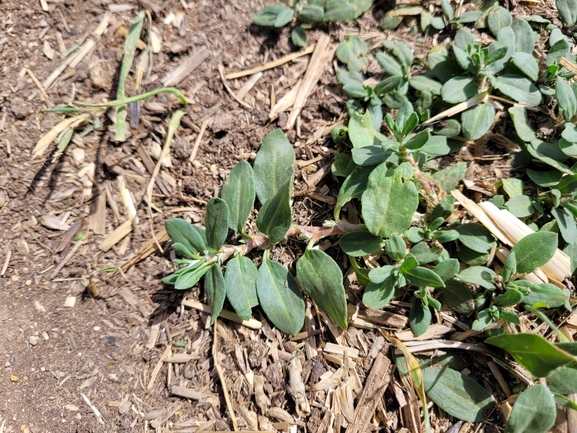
(444, 208)
(498, 18)
(273, 15)
(447, 269)
(422, 83)
(396, 248)
(353, 187)
(321, 278)
(238, 193)
(273, 165)
(522, 124)
(361, 131)
(479, 275)
(352, 52)
(215, 289)
(544, 178)
(513, 187)
(192, 237)
(566, 222)
(543, 295)
(459, 89)
(526, 64)
(417, 141)
(469, 17)
(521, 206)
(403, 53)
(518, 88)
(485, 318)
(567, 11)
(424, 254)
(510, 267)
(419, 317)
(240, 280)
(299, 36)
(525, 37)
(534, 250)
(447, 9)
(345, 10)
(378, 295)
(182, 250)
(508, 299)
(279, 296)
(534, 411)
(389, 64)
(449, 178)
(359, 244)
(570, 133)
(533, 352)
(275, 217)
(565, 98)
(311, 13)
(538, 150)
(423, 277)
(475, 237)
(378, 275)
(370, 155)
(388, 203)
(190, 276)
(457, 296)
(563, 380)
(457, 394)
(216, 223)
(477, 121)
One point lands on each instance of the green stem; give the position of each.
(142, 96)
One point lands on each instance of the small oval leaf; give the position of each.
(240, 281)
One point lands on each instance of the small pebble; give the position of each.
(43, 23)
(45, 335)
(33, 340)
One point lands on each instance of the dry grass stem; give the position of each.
(185, 69)
(250, 83)
(229, 90)
(271, 64)
(221, 376)
(198, 140)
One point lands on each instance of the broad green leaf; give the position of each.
(273, 16)
(521, 206)
(526, 64)
(353, 187)
(563, 380)
(509, 298)
(525, 37)
(475, 237)
(182, 250)
(477, 121)
(569, 133)
(190, 276)
(359, 244)
(567, 11)
(469, 17)
(273, 165)
(240, 280)
(216, 223)
(403, 53)
(485, 318)
(459, 89)
(513, 187)
(533, 352)
(396, 248)
(215, 289)
(388, 203)
(361, 131)
(370, 155)
(443, 209)
(352, 84)
(192, 237)
(345, 10)
(275, 217)
(522, 123)
(509, 268)
(378, 275)
(559, 49)
(464, 38)
(378, 295)
(457, 394)
(299, 36)
(279, 296)
(422, 83)
(443, 67)
(417, 141)
(447, 9)
(472, 258)
(389, 64)
(566, 222)
(352, 52)
(238, 193)
(447, 269)
(534, 411)
(321, 278)
(419, 317)
(518, 88)
(449, 178)
(423, 277)
(343, 165)
(389, 85)
(457, 296)
(565, 98)
(534, 250)
(498, 18)
(544, 178)
(543, 295)
(425, 254)
(479, 275)
(444, 236)
(311, 13)
(538, 148)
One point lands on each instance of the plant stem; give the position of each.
(408, 157)
(311, 233)
(142, 96)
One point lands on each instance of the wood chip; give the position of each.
(48, 51)
(147, 249)
(322, 53)
(340, 350)
(250, 83)
(70, 302)
(185, 68)
(116, 236)
(191, 394)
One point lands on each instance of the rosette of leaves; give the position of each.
(309, 13)
(245, 285)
